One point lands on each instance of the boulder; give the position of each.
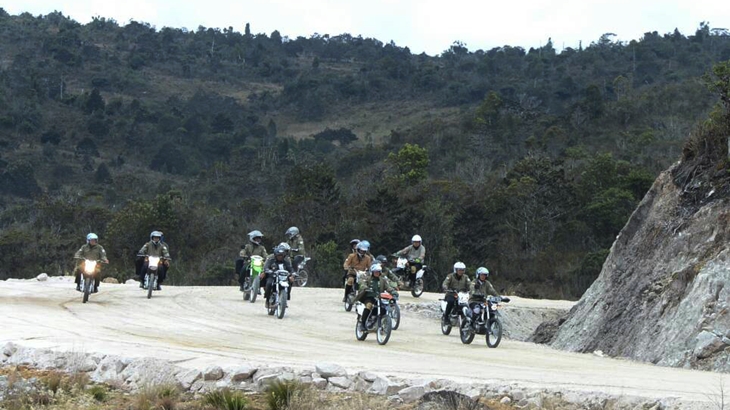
(149, 372)
(341, 382)
(385, 387)
(411, 394)
(188, 377)
(242, 373)
(328, 370)
(319, 383)
(109, 369)
(213, 373)
(110, 280)
(707, 344)
(42, 277)
(131, 282)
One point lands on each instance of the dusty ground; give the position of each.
(198, 326)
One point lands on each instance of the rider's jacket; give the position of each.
(273, 265)
(372, 286)
(458, 284)
(480, 289)
(153, 248)
(297, 243)
(94, 253)
(358, 263)
(412, 253)
(252, 249)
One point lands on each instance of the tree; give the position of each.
(410, 162)
(94, 102)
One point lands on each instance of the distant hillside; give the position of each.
(528, 162)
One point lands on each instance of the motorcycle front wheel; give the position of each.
(272, 304)
(281, 306)
(395, 316)
(384, 330)
(87, 289)
(150, 285)
(494, 332)
(254, 290)
(359, 334)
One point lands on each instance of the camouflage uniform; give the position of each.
(297, 252)
(90, 252)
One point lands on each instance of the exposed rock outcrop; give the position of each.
(663, 295)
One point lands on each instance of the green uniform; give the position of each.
(155, 249)
(453, 282)
(480, 290)
(94, 253)
(297, 243)
(252, 249)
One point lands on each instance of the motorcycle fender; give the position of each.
(419, 274)
(284, 284)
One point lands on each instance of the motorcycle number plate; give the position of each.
(284, 284)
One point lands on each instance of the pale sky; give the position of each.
(429, 26)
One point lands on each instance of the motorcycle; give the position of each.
(456, 316)
(150, 277)
(350, 299)
(277, 299)
(88, 277)
(403, 269)
(302, 274)
(483, 319)
(252, 283)
(379, 320)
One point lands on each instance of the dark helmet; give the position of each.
(292, 232)
(157, 234)
(279, 251)
(382, 259)
(354, 242)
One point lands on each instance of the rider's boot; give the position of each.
(78, 287)
(158, 287)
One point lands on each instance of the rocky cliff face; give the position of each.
(663, 294)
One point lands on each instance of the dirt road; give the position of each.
(198, 326)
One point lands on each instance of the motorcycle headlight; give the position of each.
(89, 267)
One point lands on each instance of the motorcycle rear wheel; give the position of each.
(302, 279)
(349, 302)
(445, 326)
(272, 304)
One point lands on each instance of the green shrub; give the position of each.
(279, 394)
(99, 393)
(225, 399)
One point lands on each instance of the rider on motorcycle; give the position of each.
(273, 264)
(372, 286)
(155, 247)
(360, 260)
(253, 247)
(91, 251)
(481, 287)
(416, 254)
(296, 244)
(353, 245)
(457, 281)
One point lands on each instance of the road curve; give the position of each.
(201, 326)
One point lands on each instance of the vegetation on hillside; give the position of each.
(528, 162)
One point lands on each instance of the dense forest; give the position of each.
(528, 162)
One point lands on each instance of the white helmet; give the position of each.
(482, 271)
(416, 238)
(376, 268)
(459, 265)
(91, 236)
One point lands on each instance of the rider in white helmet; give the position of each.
(416, 254)
(455, 282)
(91, 251)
